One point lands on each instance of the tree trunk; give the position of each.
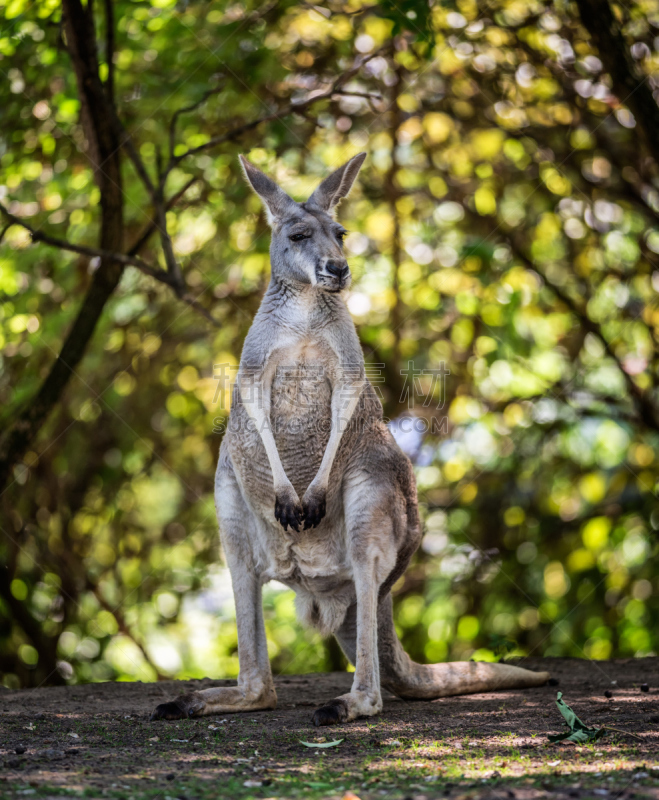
(104, 151)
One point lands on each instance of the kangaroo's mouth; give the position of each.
(335, 289)
(332, 282)
(333, 285)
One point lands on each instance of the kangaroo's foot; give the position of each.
(348, 707)
(428, 681)
(216, 701)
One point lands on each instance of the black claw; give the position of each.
(314, 511)
(333, 713)
(296, 519)
(287, 513)
(279, 516)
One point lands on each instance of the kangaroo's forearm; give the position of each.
(344, 402)
(255, 396)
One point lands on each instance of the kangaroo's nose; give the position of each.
(338, 269)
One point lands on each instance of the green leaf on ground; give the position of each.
(578, 732)
(321, 744)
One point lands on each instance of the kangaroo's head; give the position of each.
(307, 242)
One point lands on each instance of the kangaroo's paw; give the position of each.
(187, 705)
(313, 505)
(348, 707)
(288, 509)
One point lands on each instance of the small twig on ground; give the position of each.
(619, 730)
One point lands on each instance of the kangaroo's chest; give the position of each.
(300, 407)
(300, 418)
(302, 380)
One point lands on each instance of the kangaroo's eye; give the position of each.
(341, 235)
(297, 237)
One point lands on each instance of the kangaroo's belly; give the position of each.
(318, 569)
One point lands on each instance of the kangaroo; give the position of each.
(311, 489)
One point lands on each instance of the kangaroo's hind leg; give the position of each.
(373, 555)
(413, 681)
(255, 689)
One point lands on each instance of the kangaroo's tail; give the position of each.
(410, 680)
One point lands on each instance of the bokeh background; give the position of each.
(505, 225)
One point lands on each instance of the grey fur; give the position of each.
(311, 488)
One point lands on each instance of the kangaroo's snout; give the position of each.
(339, 270)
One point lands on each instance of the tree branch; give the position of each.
(127, 143)
(292, 108)
(45, 645)
(126, 259)
(109, 47)
(187, 110)
(83, 250)
(152, 227)
(598, 19)
(123, 628)
(643, 403)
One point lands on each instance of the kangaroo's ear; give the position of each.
(277, 202)
(337, 185)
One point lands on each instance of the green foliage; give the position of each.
(505, 226)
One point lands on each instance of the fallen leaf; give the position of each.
(252, 784)
(578, 732)
(74, 735)
(154, 739)
(322, 744)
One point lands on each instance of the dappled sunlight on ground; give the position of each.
(97, 739)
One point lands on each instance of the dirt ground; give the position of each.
(97, 741)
